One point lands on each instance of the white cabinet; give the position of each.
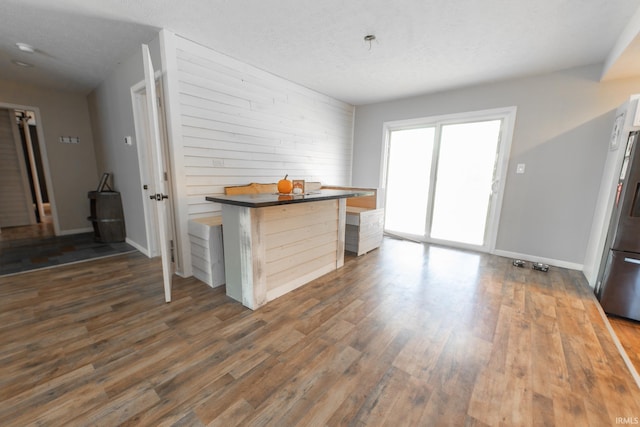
(364, 229)
(207, 258)
(365, 222)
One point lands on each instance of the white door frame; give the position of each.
(146, 166)
(44, 157)
(508, 115)
(161, 174)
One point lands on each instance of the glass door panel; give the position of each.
(463, 188)
(408, 176)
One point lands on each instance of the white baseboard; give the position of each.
(533, 258)
(181, 273)
(75, 231)
(138, 247)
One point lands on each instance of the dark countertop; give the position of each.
(271, 199)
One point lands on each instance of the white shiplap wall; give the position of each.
(240, 124)
(231, 124)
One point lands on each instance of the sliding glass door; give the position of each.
(442, 179)
(409, 153)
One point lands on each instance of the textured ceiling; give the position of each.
(422, 45)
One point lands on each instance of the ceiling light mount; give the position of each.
(369, 38)
(24, 47)
(22, 63)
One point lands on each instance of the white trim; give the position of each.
(493, 113)
(382, 183)
(169, 61)
(137, 103)
(508, 117)
(23, 164)
(145, 164)
(502, 168)
(35, 180)
(534, 258)
(139, 247)
(596, 246)
(353, 138)
(438, 242)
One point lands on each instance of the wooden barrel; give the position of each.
(107, 216)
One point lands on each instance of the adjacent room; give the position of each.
(319, 213)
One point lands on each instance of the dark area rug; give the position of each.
(17, 256)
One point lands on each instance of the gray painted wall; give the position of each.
(112, 120)
(561, 133)
(72, 166)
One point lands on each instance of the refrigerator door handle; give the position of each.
(632, 260)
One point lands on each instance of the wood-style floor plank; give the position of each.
(408, 334)
(628, 332)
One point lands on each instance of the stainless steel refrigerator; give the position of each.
(620, 290)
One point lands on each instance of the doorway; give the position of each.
(444, 177)
(27, 210)
(35, 170)
(147, 167)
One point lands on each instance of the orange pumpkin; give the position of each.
(285, 186)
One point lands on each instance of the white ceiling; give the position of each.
(422, 45)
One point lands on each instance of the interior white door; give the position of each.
(160, 197)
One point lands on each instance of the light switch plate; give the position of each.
(520, 168)
(128, 140)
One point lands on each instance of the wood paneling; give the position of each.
(253, 188)
(273, 250)
(362, 202)
(409, 334)
(299, 239)
(240, 124)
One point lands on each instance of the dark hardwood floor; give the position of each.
(34, 247)
(407, 335)
(38, 231)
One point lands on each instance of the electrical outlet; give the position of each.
(520, 168)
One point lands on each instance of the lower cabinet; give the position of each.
(364, 229)
(207, 257)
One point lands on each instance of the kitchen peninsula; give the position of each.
(274, 243)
